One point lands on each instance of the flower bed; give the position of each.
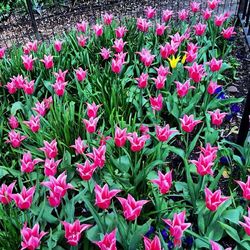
(114, 137)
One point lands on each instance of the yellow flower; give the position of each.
(174, 61)
(183, 60)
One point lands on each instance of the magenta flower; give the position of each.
(159, 81)
(28, 164)
(215, 65)
(6, 193)
(214, 200)
(209, 150)
(13, 122)
(105, 53)
(245, 188)
(59, 87)
(81, 40)
(79, 146)
(142, 80)
(168, 49)
(164, 181)
(50, 166)
(28, 87)
(119, 45)
(11, 86)
(73, 231)
(18, 81)
(204, 164)
(103, 196)
(82, 27)
(150, 12)
(120, 31)
(31, 237)
(90, 124)
(86, 171)
(108, 242)
(142, 24)
(58, 45)
(227, 33)
(40, 108)
(195, 6)
(212, 87)
(164, 133)
(219, 20)
(2, 52)
(177, 226)
(33, 123)
(48, 61)
(107, 18)
(206, 14)
(92, 110)
(246, 225)
(162, 71)
(200, 29)
(98, 29)
(24, 199)
(182, 89)
(50, 149)
(212, 4)
(15, 139)
(131, 207)
(183, 14)
(154, 244)
(116, 65)
(28, 62)
(137, 143)
(188, 123)
(167, 15)
(120, 137)
(61, 75)
(156, 102)
(80, 74)
(146, 57)
(196, 72)
(217, 117)
(98, 156)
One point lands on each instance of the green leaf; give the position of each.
(15, 107)
(233, 215)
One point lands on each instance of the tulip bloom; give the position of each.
(58, 45)
(105, 53)
(28, 164)
(200, 29)
(131, 207)
(80, 74)
(103, 196)
(50, 149)
(212, 87)
(92, 110)
(90, 124)
(246, 225)
(31, 237)
(188, 123)
(13, 122)
(33, 123)
(215, 65)
(59, 87)
(81, 40)
(168, 49)
(28, 87)
(108, 241)
(120, 31)
(142, 24)
(174, 61)
(150, 12)
(24, 199)
(159, 82)
(98, 29)
(177, 226)
(28, 62)
(137, 143)
(79, 146)
(196, 72)
(212, 4)
(207, 14)
(245, 188)
(116, 65)
(2, 53)
(182, 89)
(214, 200)
(195, 6)
(164, 182)
(107, 18)
(227, 33)
(183, 14)
(146, 57)
(15, 139)
(40, 108)
(48, 61)
(82, 27)
(98, 156)
(50, 166)
(164, 133)
(73, 231)
(154, 244)
(6, 193)
(160, 29)
(120, 137)
(156, 102)
(142, 80)
(119, 45)
(219, 20)
(204, 164)
(162, 71)
(86, 171)
(217, 117)
(166, 15)
(60, 76)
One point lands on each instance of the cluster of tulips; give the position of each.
(95, 121)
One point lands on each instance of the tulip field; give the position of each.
(113, 137)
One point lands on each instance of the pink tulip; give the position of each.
(73, 231)
(48, 61)
(121, 56)
(212, 87)
(144, 129)
(107, 18)
(246, 225)
(196, 72)
(15, 139)
(154, 244)
(177, 226)
(2, 52)
(215, 65)
(28, 62)
(217, 117)
(119, 45)
(209, 150)
(79, 146)
(31, 237)
(103, 196)
(80, 74)
(214, 200)
(183, 14)
(245, 188)
(146, 57)
(98, 29)
(159, 82)
(40, 108)
(142, 24)
(168, 49)
(188, 123)
(227, 33)
(163, 71)
(137, 143)
(81, 40)
(195, 6)
(219, 20)
(142, 80)
(200, 29)
(24, 199)
(98, 156)
(204, 164)
(92, 110)
(28, 87)
(59, 87)
(116, 65)
(131, 207)
(50, 166)
(82, 27)
(13, 122)
(160, 29)
(60, 76)
(120, 31)
(164, 133)
(150, 12)
(30, 46)
(156, 102)
(212, 4)
(105, 53)
(33, 123)
(108, 242)
(6, 193)
(50, 149)
(120, 137)
(28, 164)
(164, 181)
(166, 15)
(215, 246)
(192, 47)
(11, 87)
(182, 89)
(207, 14)
(47, 102)
(86, 171)
(58, 45)
(19, 81)
(90, 124)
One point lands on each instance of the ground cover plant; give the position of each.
(112, 137)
